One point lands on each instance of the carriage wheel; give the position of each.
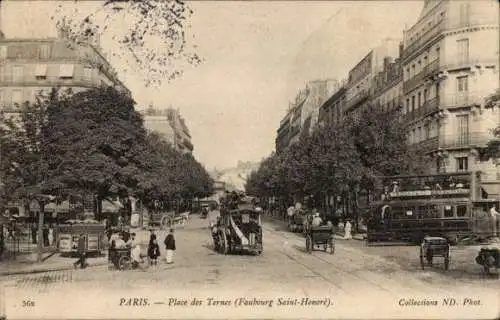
(422, 264)
(309, 245)
(124, 263)
(332, 246)
(429, 257)
(225, 246)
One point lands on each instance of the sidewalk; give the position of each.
(27, 263)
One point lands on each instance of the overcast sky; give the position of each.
(256, 56)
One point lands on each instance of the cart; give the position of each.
(322, 236)
(120, 258)
(434, 247)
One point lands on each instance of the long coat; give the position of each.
(170, 242)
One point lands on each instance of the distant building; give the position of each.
(29, 67)
(359, 82)
(171, 126)
(303, 114)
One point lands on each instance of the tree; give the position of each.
(147, 22)
(493, 149)
(95, 145)
(24, 167)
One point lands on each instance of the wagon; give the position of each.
(434, 247)
(120, 258)
(317, 237)
(237, 231)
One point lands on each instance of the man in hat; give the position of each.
(82, 252)
(170, 246)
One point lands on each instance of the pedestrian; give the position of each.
(494, 216)
(170, 246)
(82, 252)
(347, 230)
(33, 232)
(153, 251)
(51, 236)
(45, 233)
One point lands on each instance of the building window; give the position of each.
(463, 129)
(419, 100)
(17, 73)
(3, 52)
(427, 131)
(41, 72)
(440, 165)
(66, 71)
(87, 73)
(412, 103)
(463, 51)
(44, 51)
(463, 84)
(464, 14)
(462, 164)
(425, 95)
(17, 96)
(425, 61)
(408, 105)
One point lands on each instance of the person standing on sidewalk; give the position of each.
(82, 252)
(170, 246)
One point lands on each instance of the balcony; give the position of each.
(467, 140)
(188, 145)
(457, 63)
(429, 70)
(357, 99)
(429, 106)
(424, 38)
(427, 145)
(462, 99)
(51, 82)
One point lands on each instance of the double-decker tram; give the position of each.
(451, 205)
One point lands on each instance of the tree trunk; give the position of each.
(40, 239)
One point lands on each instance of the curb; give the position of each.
(43, 270)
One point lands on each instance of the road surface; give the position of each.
(354, 282)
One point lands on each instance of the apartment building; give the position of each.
(359, 82)
(170, 125)
(450, 65)
(331, 112)
(29, 67)
(387, 86)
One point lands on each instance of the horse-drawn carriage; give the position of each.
(238, 229)
(320, 237)
(298, 221)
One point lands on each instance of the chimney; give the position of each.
(401, 48)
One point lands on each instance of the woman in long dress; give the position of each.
(170, 246)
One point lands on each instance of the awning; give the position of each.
(491, 189)
(66, 71)
(111, 207)
(41, 70)
(62, 207)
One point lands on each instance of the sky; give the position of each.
(257, 55)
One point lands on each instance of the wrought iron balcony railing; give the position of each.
(429, 106)
(427, 71)
(465, 140)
